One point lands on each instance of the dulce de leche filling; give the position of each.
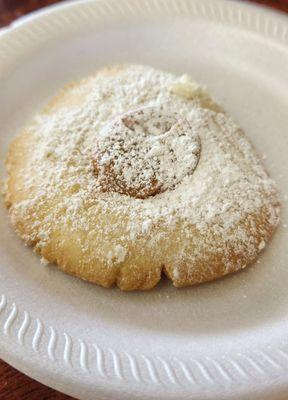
(145, 152)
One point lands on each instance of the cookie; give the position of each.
(134, 172)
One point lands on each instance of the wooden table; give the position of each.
(13, 384)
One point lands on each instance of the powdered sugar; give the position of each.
(117, 253)
(211, 198)
(145, 152)
(187, 88)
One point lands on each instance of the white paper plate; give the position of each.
(223, 340)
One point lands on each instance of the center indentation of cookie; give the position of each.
(145, 152)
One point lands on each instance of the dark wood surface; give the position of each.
(13, 384)
(16, 386)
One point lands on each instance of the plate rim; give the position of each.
(260, 20)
